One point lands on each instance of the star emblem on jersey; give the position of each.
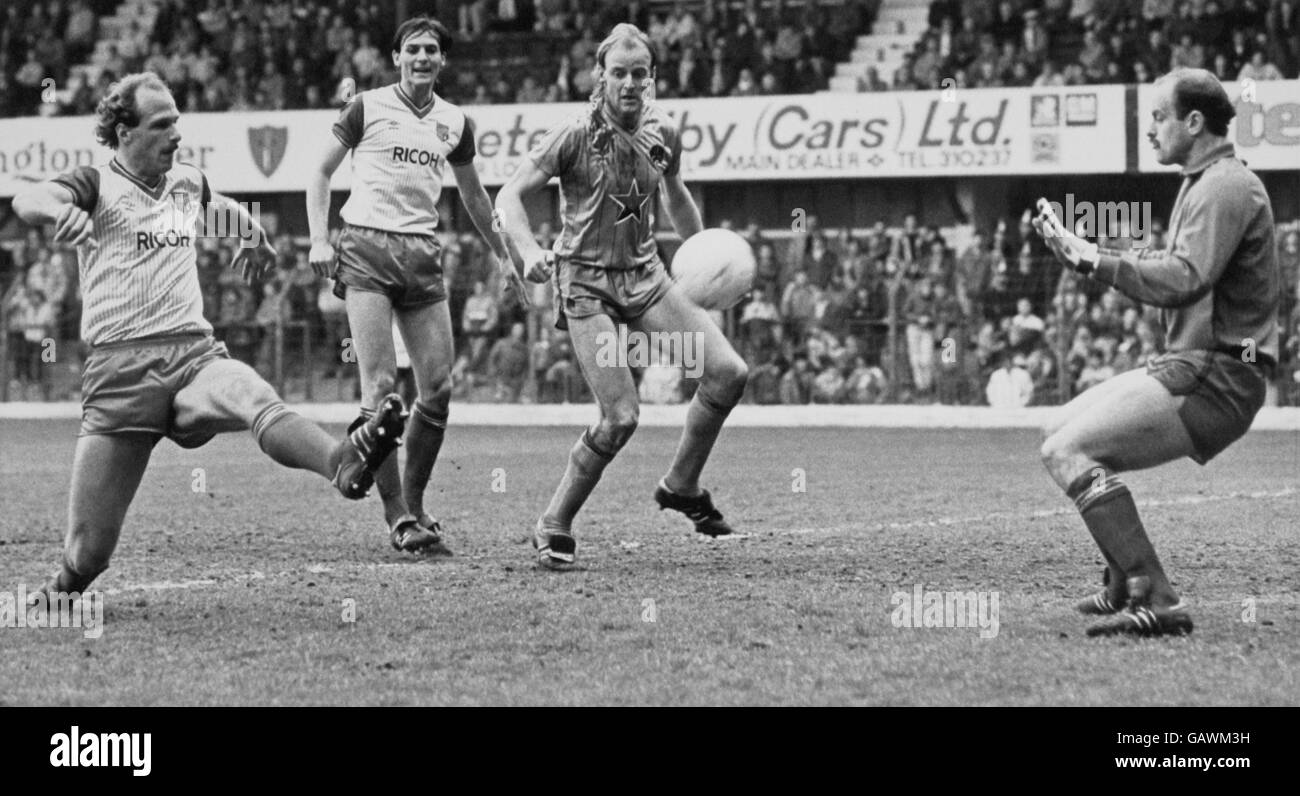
(630, 204)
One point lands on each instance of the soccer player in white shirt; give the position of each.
(389, 264)
(154, 370)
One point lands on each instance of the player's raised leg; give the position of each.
(106, 472)
(615, 393)
(721, 387)
(1085, 455)
(227, 395)
(427, 333)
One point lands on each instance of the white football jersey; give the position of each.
(139, 267)
(398, 153)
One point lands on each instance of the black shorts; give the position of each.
(132, 386)
(406, 268)
(1223, 395)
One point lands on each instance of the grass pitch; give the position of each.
(238, 582)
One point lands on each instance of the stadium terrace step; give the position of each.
(840, 84)
(895, 40)
(884, 69)
(873, 44)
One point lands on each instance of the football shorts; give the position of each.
(624, 294)
(406, 268)
(131, 386)
(1222, 394)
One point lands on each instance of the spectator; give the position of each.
(1010, 385)
(819, 262)
(271, 87)
(767, 269)
(1095, 372)
(563, 381)
(1094, 57)
(661, 382)
(799, 304)
(530, 91)
(765, 380)
(870, 81)
(866, 384)
(480, 321)
(1048, 76)
(367, 62)
(79, 35)
(1257, 69)
(508, 364)
(829, 386)
(918, 314)
(1187, 54)
(745, 85)
(796, 384)
(760, 323)
(1026, 328)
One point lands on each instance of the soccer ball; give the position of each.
(714, 268)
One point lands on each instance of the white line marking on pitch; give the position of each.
(1187, 500)
(321, 569)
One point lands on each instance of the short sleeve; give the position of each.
(205, 192)
(465, 150)
(558, 149)
(675, 149)
(351, 123)
(83, 181)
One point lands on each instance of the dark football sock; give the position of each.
(586, 464)
(294, 441)
(1108, 509)
(428, 426)
(704, 419)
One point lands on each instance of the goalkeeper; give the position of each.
(1217, 285)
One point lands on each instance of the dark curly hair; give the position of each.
(119, 106)
(423, 24)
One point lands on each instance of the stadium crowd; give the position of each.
(220, 55)
(979, 44)
(892, 315)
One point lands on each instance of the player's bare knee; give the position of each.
(437, 391)
(1061, 457)
(255, 395)
(733, 377)
(724, 385)
(618, 425)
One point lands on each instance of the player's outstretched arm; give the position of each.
(321, 255)
(513, 220)
(479, 208)
(1172, 277)
(51, 203)
(681, 206)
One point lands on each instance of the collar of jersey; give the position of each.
(154, 193)
(419, 112)
(1221, 151)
